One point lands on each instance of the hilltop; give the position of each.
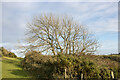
(5, 52)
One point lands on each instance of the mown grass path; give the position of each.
(11, 68)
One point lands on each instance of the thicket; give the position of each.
(47, 66)
(7, 53)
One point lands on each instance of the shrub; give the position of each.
(38, 64)
(76, 65)
(54, 66)
(1, 54)
(7, 53)
(10, 54)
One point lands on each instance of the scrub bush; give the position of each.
(48, 66)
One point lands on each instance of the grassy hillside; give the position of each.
(11, 68)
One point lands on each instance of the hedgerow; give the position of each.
(47, 66)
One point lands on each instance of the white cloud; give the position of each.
(18, 52)
(110, 25)
(87, 11)
(59, 0)
(97, 16)
(108, 47)
(1, 22)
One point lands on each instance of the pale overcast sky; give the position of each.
(100, 17)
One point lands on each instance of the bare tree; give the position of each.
(56, 34)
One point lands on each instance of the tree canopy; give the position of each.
(55, 34)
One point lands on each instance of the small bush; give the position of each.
(1, 54)
(11, 55)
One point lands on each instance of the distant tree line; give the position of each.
(5, 52)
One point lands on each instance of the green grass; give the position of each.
(11, 68)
